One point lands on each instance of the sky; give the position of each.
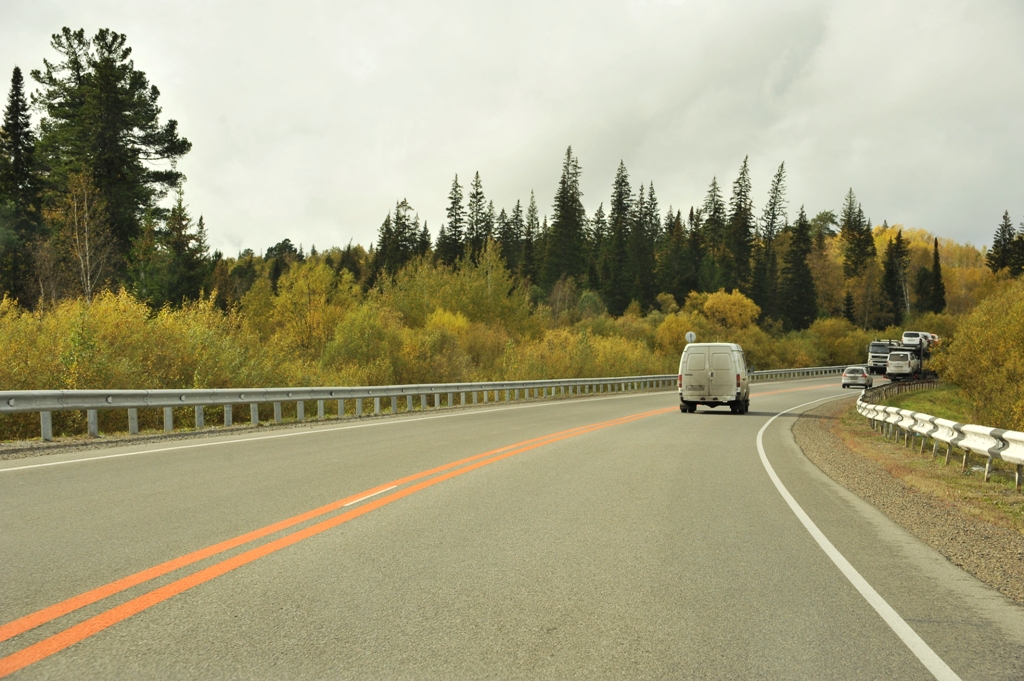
(310, 120)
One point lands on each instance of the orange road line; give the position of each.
(35, 619)
(76, 633)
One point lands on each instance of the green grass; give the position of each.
(947, 402)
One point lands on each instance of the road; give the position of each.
(601, 537)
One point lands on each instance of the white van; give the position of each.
(715, 375)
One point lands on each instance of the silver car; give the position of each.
(858, 376)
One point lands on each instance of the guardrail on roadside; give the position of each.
(443, 395)
(894, 423)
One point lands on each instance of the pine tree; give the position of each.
(822, 227)
(528, 268)
(640, 262)
(510, 237)
(1001, 254)
(189, 265)
(615, 282)
(567, 236)
(735, 263)
(765, 273)
(710, 275)
(938, 289)
(101, 115)
(450, 241)
(849, 309)
(476, 219)
(798, 298)
(895, 285)
(423, 239)
(19, 194)
(597, 237)
(855, 230)
(694, 251)
(672, 265)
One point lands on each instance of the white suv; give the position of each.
(915, 338)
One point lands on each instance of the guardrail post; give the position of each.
(168, 419)
(320, 409)
(359, 406)
(341, 408)
(200, 421)
(254, 413)
(506, 395)
(474, 397)
(376, 405)
(133, 421)
(46, 426)
(451, 402)
(300, 410)
(94, 424)
(228, 416)
(277, 412)
(462, 399)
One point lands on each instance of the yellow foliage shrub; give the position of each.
(731, 310)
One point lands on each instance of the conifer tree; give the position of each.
(735, 263)
(938, 287)
(476, 219)
(713, 231)
(849, 309)
(798, 298)
(895, 287)
(450, 241)
(528, 267)
(567, 236)
(188, 265)
(765, 273)
(615, 277)
(855, 230)
(694, 251)
(510, 236)
(597, 237)
(640, 263)
(19, 194)
(423, 239)
(102, 115)
(822, 227)
(671, 267)
(1001, 255)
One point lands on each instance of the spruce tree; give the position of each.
(615, 278)
(450, 241)
(188, 262)
(710, 275)
(855, 230)
(476, 219)
(640, 264)
(510, 236)
(895, 287)
(19, 194)
(672, 265)
(567, 237)
(597, 237)
(101, 115)
(528, 267)
(694, 251)
(849, 309)
(938, 288)
(798, 297)
(765, 273)
(1001, 254)
(735, 263)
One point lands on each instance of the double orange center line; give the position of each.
(93, 625)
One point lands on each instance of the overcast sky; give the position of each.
(310, 119)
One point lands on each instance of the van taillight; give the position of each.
(737, 380)
(680, 381)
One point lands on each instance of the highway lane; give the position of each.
(652, 548)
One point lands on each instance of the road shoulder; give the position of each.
(992, 554)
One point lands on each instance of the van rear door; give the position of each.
(723, 374)
(695, 373)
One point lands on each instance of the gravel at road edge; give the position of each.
(992, 554)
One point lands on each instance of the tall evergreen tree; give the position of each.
(528, 269)
(938, 287)
(510, 236)
(101, 115)
(823, 226)
(713, 231)
(855, 230)
(19, 194)
(640, 262)
(735, 263)
(798, 298)
(567, 237)
(765, 273)
(597, 238)
(672, 265)
(895, 285)
(189, 264)
(694, 251)
(615, 277)
(1001, 255)
(450, 241)
(476, 219)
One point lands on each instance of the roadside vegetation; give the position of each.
(947, 401)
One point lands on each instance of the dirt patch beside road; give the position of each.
(973, 524)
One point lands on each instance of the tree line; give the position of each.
(82, 207)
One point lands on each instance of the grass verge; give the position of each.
(947, 402)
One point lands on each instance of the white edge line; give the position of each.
(370, 495)
(915, 643)
(314, 430)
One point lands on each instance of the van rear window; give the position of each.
(695, 362)
(721, 361)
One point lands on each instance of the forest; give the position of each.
(108, 281)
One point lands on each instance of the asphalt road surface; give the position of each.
(599, 537)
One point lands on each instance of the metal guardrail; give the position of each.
(446, 395)
(992, 443)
